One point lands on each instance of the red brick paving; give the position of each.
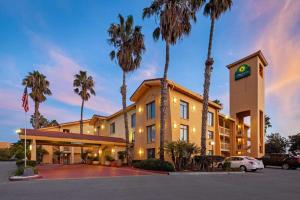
(87, 171)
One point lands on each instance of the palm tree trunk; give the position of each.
(36, 115)
(163, 105)
(81, 116)
(128, 148)
(81, 127)
(207, 74)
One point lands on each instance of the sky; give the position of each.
(61, 37)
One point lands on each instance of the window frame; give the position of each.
(208, 119)
(185, 111)
(185, 132)
(209, 131)
(151, 139)
(112, 132)
(150, 113)
(148, 153)
(133, 116)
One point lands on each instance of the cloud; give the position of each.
(60, 70)
(147, 72)
(280, 42)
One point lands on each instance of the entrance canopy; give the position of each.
(69, 139)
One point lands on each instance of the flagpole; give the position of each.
(25, 163)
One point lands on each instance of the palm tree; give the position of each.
(128, 43)
(84, 87)
(174, 22)
(213, 9)
(39, 89)
(268, 123)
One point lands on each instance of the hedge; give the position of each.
(31, 163)
(154, 164)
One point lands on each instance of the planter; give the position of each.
(95, 162)
(107, 163)
(119, 163)
(113, 164)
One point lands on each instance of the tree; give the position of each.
(180, 153)
(43, 122)
(275, 143)
(175, 18)
(84, 87)
(217, 101)
(294, 141)
(18, 149)
(39, 89)
(128, 43)
(40, 152)
(213, 9)
(267, 123)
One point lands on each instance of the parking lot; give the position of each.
(267, 184)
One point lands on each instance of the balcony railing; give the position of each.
(225, 146)
(224, 131)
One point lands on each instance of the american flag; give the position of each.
(25, 100)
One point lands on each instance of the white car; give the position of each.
(245, 163)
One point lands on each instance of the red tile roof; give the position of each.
(58, 134)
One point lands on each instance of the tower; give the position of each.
(247, 99)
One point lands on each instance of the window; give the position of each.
(112, 128)
(151, 133)
(132, 136)
(210, 119)
(210, 135)
(66, 130)
(210, 152)
(261, 71)
(151, 153)
(98, 130)
(151, 110)
(133, 120)
(184, 110)
(184, 133)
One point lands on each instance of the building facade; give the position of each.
(226, 135)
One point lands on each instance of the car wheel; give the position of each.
(243, 168)
(285, 166)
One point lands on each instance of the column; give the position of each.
(72, 155)
(33, 150)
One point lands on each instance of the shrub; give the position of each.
(96, 158)
(20, 170)
(5, 154)
(154, 164)
(31, 163)
(227, 165)
(109, 158)
(121, 155)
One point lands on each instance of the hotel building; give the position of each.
(227, 135)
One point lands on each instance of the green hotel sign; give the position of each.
(242, 72)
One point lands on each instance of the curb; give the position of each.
(203, 173)
(24, 178)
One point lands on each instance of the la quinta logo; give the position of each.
(242, 72)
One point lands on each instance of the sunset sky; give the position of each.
(59, 38)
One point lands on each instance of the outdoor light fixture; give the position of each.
(212, 143)
(194, 130)
(88, 131)
(175, 125)
(102, 126)
(194, 107)
(100, 151)
(30, 147)
(226, 117)
(174, 100)
(140, 152)
(113, 150)
(95, 129)
(18, 131)
(140, 130)
(140, 109)
(239, 126)
(95, 154)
